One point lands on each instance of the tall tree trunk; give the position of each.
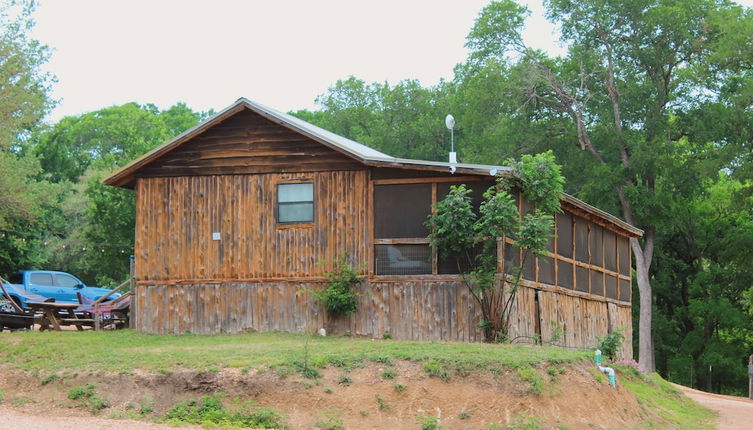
(645, 338)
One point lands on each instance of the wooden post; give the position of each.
(750, 377)
(132, 307)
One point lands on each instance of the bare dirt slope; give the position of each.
(735, 413)
(570, 398)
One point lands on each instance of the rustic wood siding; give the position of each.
(408, 310)
(248, 143)
(177, 216)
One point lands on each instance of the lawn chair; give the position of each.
(12, 315)
(113, 314)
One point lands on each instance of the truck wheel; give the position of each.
(8, 307)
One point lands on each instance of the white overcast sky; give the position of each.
(282, 53)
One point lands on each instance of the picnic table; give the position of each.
(54, 315)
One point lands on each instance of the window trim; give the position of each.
(312, 201)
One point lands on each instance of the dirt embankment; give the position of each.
(364, 398)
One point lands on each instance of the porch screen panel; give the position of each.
(403, 259)
(512, 257)
(625, 290)
(597, 282)
(623, 252)
(611, 286)
(565, 274)
(581, 239)
(546, 270)
(529, 268)
(596, 246)
(581, 279)
(401, 210)
(564, 235)
(610, 251)
(449, 265)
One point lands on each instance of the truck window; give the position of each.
(16, 278)
(65, 281)
(40, 279)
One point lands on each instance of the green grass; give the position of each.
(124, 350)
(660, 397)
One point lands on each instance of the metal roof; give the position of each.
(366, 155)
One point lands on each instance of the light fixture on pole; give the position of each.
(449, 121)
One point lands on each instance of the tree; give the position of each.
(24, 92)
(457, 231)
(405, 120)
(629, 66)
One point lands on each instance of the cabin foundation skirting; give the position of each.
(406, 310)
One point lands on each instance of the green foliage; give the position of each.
(88, 395)
(383, 405)
(610, 343)
(389, 374)
(209, 411)
(339, 296)
(399, 387)
(76, 393)
(428, 423)
(659, 397)
(344, 380)
(436, 369)
(525, 422)
(464, 415)
(456, 231)
(533, 377)
(330, 421)
(49, 379)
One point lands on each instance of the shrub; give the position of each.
(208, 411)
(339, 297)
(389, 374)
(610, 343)
(435, 369)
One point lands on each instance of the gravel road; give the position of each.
(735, 413)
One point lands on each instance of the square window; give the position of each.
(295, 203)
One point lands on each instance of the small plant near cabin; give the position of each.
(470, 239)
(209, 412)
(339, 296)
(435, 369)
(146, 405)
(530, 375)
(345, 380)
(399, 387)
(363, 413)
(383, 405)
(428, 423)
(610, 343)
(76, 393)
(522, 422)
(328, 390)
(384, 360)
(330, 421)
(49, 379)
(89, 397)
(386, 336)
(389, 374)
(464, 415)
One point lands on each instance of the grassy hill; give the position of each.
(280, 380)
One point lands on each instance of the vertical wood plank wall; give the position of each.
(260, 274)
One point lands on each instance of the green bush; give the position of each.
(610, 343)
(339, 296)
(208, 411)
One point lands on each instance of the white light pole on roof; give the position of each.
(449, 121)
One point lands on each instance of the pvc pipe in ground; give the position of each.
(608, 370)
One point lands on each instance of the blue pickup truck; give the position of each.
(29, 285)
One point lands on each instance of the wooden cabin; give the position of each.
(239, 218)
